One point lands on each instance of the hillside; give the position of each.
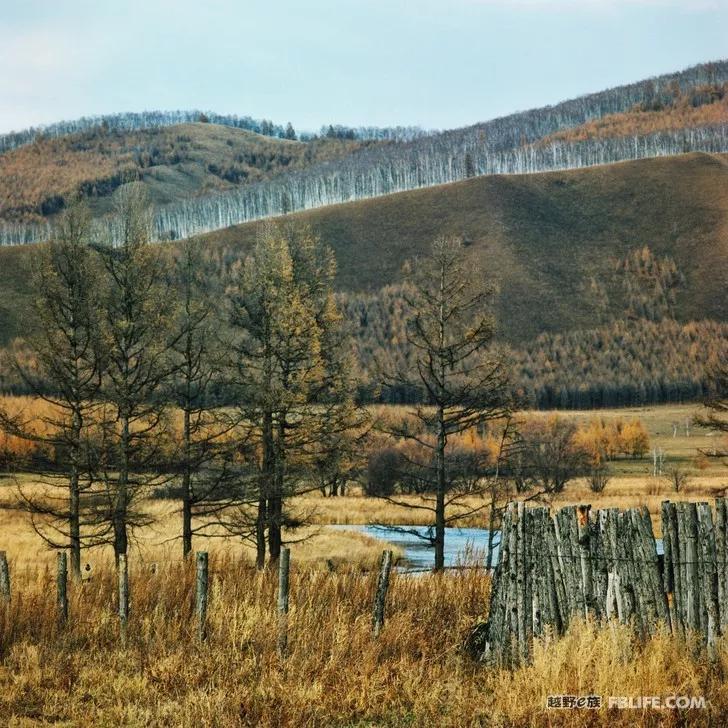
(596, 129)
(700, 106)
(175, 163)
(547, 238)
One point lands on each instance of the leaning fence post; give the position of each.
(123, 575)
(201, 601)
(283, 581)
(61, 587)
(4, 578)
(381, 595)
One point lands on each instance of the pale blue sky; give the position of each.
(435, 63)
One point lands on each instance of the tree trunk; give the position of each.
(74, 525)
(440, 496)
(275, 502)
(260, 522)
(187, 490)
(74, 498)
(122, 495)
(186, 520)
(265, 486)
(441, 435)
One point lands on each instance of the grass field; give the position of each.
(632, 484)
(335, 674)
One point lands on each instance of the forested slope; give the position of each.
(174, 163)
(553, 241)
(526, 142)
(601, 273)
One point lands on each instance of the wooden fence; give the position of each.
(200, 596)
(605, 565)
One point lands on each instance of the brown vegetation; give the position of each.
(416, 673)
(700, 106)
(39, 179)
(543, 236)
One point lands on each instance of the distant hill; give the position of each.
(601, 272)
(174, 162)
(545, 237)
(699, 106)
(663, 116)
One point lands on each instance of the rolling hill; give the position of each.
(202, 186)
(604, 221)
(174, 163)
(545, 238)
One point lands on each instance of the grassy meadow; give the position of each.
(335, 674)
(631, 484)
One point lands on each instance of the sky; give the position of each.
(433, 63)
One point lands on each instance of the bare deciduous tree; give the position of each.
(204, 458)
(137, 310)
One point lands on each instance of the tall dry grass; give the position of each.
(415, 674)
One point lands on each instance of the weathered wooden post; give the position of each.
(380, 597)
(62, 587)
(201, 601)
(283, 582)
(585, 561)
(691, 562)
(123, 576)
(720, 547)
(4, 578)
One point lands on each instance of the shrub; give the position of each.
(383, 471)
(598, 479)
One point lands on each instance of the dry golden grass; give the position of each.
(315, 545)
(335, 674)
(416, 674)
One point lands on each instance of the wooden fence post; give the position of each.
(720, 547)
(123, 575)
(201, 601)
(381, 595)
(4, 578)
(552, 570)
(283, 582)
(62, 587)
(583, 538)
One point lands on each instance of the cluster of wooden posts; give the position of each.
(604, 565)
(201, 593)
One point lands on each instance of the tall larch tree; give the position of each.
(66, 375)
(286, 366)
(137, 312)
(463, 382)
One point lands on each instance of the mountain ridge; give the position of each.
(503, 145)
